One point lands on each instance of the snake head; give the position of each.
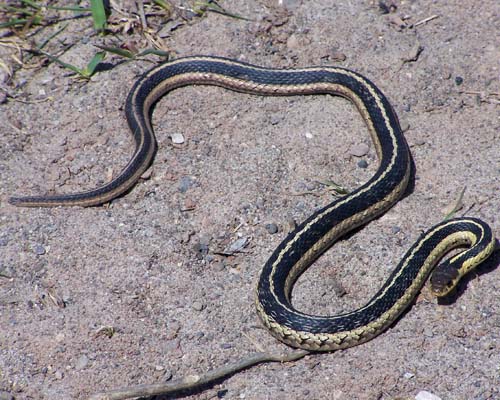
(445, 278)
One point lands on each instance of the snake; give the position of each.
(311, 238)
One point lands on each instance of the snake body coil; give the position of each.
(309, 240)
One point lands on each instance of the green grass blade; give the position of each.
(35, 20)
(91, 66)
(75, 9)
(118, 51)
(31, 4)
(163, 4)
(44, 43)
(98, 14)
(64, 64)
(156, 52)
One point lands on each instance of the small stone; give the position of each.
(424, 395)
(362, 164)
(338, 288)
(292, 42)
(39, 249)
(177, 138)
(159, 367)
(272, 228)
(189, 205)
(185, 183)
(408, 375)
(405, 125)
(395, 229)
(146, 174)
(198, 306)
(275, 120)
(82, 362)
(4, 241)
(308, 135)
(236, 246)
(58, 375)
(459, 80)
(359, 150)
(337, 56)
(167, 375)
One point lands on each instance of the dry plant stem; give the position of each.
(193, 381)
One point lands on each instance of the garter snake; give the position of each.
(311, 238)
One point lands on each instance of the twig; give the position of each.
(425, 20)
(458, 204)
(140, 9)
(484, 97)
(193, 381)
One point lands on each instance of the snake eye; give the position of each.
(444, 279)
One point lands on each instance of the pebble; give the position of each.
(59, 375)
(424, 395)
(408, 375)
(82, 362)
(4, 241)
(177, 138)
(198, 306)
(272, 228)
(275, 120)
(459, 80)
(309, 135)
(359, 150)
(395, 229)
(362, 164)
(146, 174)
(167, 375)
(39, 249)
(185, 183)
(405, 125)
(237, 245)
(312, 186)
(338, 288)
(292, 42)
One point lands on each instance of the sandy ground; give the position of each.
(149, 266)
